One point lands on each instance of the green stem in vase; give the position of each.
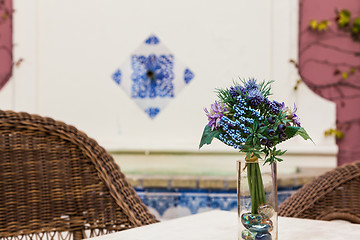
(251, 187)
(261, 185)
(256, 187)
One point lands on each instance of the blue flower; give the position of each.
(251, 84)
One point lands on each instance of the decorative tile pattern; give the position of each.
(152, 76)
(152, 40)
(188, 75)
(117, 76)
(152, 112)
(172, 203)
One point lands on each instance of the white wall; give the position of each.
(71, 48)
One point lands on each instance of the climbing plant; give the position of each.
(347, 26)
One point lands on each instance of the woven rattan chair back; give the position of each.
(334, 195)
(57, 183)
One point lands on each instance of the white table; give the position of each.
(222, 225)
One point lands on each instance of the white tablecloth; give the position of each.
(222, 225)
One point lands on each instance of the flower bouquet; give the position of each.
(245, 119)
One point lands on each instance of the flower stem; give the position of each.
(256, 187)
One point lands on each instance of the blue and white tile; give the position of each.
(152, 76)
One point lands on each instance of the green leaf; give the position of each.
(249, 140)
(208, 136)
(345, 75)
(262, 130)
(313, 24)
(255, 126)
(343, 18)
(293, 131)
(259, 136)
(254, 141)
(323, 25)
(277, 152)
(304, 134)
(356, 22)
(282, 153)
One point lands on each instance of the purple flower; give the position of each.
(292, 116)
(275, 107)
(255, 97)
(267, 101)
(217, 111)
(234, 91)
(282, 106)
(296, 120)
(279, 105)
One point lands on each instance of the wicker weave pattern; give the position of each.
(334, 195)
(55, 182)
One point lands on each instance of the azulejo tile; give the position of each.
(152, 76)
(172, 203)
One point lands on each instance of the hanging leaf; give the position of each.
(293, 131)
(302, 132)
(208, 136)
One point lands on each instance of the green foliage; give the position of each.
(334, 132)
(356, 26)
(294, 131)
(208, 136)
(319, 26)
(302, 133)
(343, 18)
(347, 25)
(225, 96)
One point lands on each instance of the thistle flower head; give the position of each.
(234, 91)
(255, 97)
(251, 84)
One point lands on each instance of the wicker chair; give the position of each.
(56, 182)
(334, 195)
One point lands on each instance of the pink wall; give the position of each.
(320, 53)
(6, 57)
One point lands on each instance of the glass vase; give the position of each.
(257, 200)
